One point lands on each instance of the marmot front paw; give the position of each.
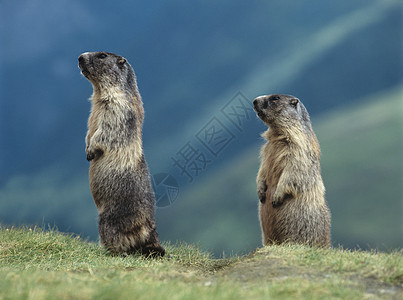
(90, 156)
(261, 191)
(94, 154)
(278, 199)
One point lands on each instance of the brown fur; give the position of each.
(289, 184)
(119, 178)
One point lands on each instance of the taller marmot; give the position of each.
(119, 177)
(289, 184)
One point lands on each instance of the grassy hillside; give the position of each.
(36, 264)
(362, 171)
(326, 64)
(362, 166)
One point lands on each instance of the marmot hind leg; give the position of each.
(152, 247)
(153, 251)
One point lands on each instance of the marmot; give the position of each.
(119, 177)
(292, 206)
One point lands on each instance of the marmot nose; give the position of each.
(80, 59)
(255, 102)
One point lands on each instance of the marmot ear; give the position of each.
(294, 102)
(121, 61)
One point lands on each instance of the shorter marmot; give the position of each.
(289, 184)
(119, 177)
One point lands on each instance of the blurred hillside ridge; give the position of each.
(342, 59)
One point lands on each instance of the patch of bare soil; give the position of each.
(259, 268)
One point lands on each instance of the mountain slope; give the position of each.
(190, 58)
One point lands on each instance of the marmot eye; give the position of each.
(102, 55)
(272, 98)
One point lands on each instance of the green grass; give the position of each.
(38, 264)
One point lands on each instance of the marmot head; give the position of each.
(281, 110)
(106, 70)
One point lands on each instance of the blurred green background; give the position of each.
(199, 64)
